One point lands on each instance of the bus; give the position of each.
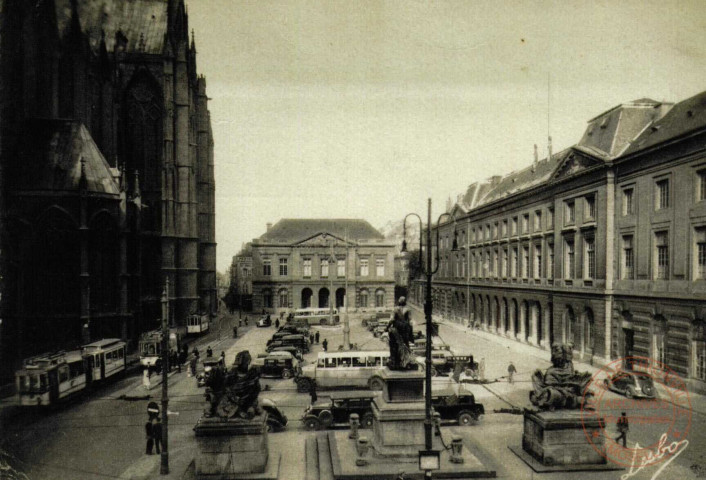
(352, 369)
(315, 316)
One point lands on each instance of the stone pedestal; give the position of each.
(559, 438)
(234, 449)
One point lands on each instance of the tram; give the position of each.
(151, 346)
(196, 324)
(50, 378)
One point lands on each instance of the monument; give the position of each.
(398, 434)
(555, 435)
(231, 435)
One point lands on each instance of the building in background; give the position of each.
(107, 172)
(602, 245)
(300, 263)
(241, 279)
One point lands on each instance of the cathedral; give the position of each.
(106, 171)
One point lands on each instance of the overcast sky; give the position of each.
(363, 109)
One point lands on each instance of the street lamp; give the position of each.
(429, 270)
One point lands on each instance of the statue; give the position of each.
(560, 386)
(233, 393)
(400, 336)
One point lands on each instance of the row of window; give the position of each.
(662, 193)
(661, 254)
(283, 298)
(324, 267)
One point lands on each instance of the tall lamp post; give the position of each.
(429, 270)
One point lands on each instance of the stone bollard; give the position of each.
(456, 449)
(354, 422)
(362, 446)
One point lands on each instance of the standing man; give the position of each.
(277, 323)
(148, 436)
(316, 336)
(510, 372)
(312, 391)
(157, 434)
(209, 352)
(311, 338)
(623, 429)
(325, 345)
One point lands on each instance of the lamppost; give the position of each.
(429, 270)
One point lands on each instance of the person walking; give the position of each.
(195, 351)
(325, 345)
(192, 366)
(311, 339)
(316, 336)
(209, 352)
(157, 435)
(277, 323)
(510, 372)
(623, 429)
(146, 383)
(223, 358)
(312, 392)
(148, 437)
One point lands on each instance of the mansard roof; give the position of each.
(293, 230)
(142, 22)
(49, 159)
(684, 117)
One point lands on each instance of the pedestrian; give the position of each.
(325, 345)
(311, 338)
(209, 352)
(223, 358)
(510, 371)
(146, 379)
(192, 366)
(182, 359)
(157, 435)
(312, 391)
(240, 322)
(481, 369)
(148, 436)
(277, 323)
(158, 365)
(195, 351)
(235, 332)
(623, 429)
(246, 320)
(316, 336)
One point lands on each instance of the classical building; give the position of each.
(299, 263)
(602, 245)
(241, 278)
(107, 172)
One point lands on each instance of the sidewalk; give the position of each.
(698, 401)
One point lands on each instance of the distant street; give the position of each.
(102, 436)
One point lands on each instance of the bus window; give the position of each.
(344, 362)
(330, 363)
(374, 361)
(358, 361)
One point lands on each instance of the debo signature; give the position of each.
(672, 451)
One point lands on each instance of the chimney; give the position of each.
(268, 225)
(549, 148)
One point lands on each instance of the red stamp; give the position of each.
(644, 414)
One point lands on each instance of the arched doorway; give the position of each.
(569, 325)
(306, 297)
(380, 297)
(550, 323)
(364, 298)
(589, 332)
(526, 320)
(506, 322)
(515, 319)
(497, 314)
(488, 312)
(323, 297)
(340, 297)
(540, 325)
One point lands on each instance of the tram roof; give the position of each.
(104, 343)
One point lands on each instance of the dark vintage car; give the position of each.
(279, 365)
(296, 353)
(334, 410)
(276, 420)
(208, 365)
(264, 321)
(631, 384)
(298, 341)
(291, 329)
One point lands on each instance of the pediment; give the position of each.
(322, 239)
(575, 163)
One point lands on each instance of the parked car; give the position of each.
(296, 353)
(264, 321)
(336, 409)
(632, 384)
(276, 420)
(208, 365)
(279, 365)
(298, 341)
(294, 329)
(458, 408)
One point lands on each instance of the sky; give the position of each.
(364, 109)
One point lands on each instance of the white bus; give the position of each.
(353, 369)
(316, 316)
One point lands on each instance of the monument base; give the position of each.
(398, 428)
(234, 449)
(558, 441)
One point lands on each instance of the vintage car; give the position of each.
(460, 408)
(280, 364)
(335, 410)
(631, 384)
(291, 329)
(264, 321)
(208, 365)
(276, 420)
(298, 341)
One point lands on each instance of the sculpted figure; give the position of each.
(400, 336)
(233, 393)
(560, 386)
